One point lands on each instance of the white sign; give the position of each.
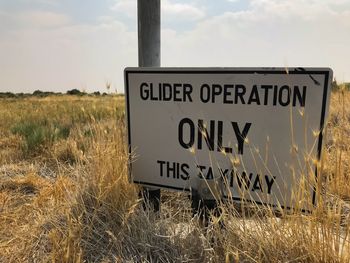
(259, 129)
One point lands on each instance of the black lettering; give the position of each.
(177, 170)
(228, 149)
(209, 175)
(227, 175)
(153, 97)
(144, 93)
(224, 172)
(220, 126)
(201, 168)
(203, 132)
(231, 178)
(217, 90)
(240, 91)
(187, 92)
(280, 96)
(205, 93)
(161, 167)
(170, 169)
(257, 184)
(177, 92)
(184, 171)
(266, 94)
(220, 148)
(275, 90)
(227, 93)
(254, 96)
(241, 136)
(160, 86)
(269, 183)
(190, 123)
(243, 180)
(167, 87)
(301, 97)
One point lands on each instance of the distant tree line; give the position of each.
(75, 92)
(42, 94)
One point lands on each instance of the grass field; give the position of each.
(65, 197)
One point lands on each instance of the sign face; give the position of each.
(258, 129)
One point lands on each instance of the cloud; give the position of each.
(170, 11)
(303, 9)
(181, 11)
(32, 19)
(42, 19)
(127, 7)
(66, 56)
(268, 33)
(45, 2)
(46, 50)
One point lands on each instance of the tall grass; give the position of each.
(38, 135)
(89, 212)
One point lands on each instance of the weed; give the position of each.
(39, 135)
(90, 212)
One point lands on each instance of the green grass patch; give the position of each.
(38, 135)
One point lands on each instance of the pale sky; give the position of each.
(57, 45)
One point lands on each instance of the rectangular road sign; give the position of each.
(258, 129)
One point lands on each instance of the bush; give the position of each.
(334, 85)
(7, 95)
(34, 135)
(75, 92)
(38, 93)
(39, 135)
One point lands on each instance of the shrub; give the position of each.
(38, 93)
(75, 92)
(334, 85)
(7, 95)
(38, 135)
(34, 135)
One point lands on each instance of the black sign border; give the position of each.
(327, 72)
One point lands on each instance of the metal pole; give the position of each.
(148, 16)
(148, 12)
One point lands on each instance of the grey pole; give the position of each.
(148, 21)
(148, 13)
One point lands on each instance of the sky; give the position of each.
(58, 45)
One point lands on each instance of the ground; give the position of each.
(65, 196)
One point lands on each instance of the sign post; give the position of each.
(148, 13)
(258, 130)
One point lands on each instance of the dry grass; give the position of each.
(338, 147)
(68, 198)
